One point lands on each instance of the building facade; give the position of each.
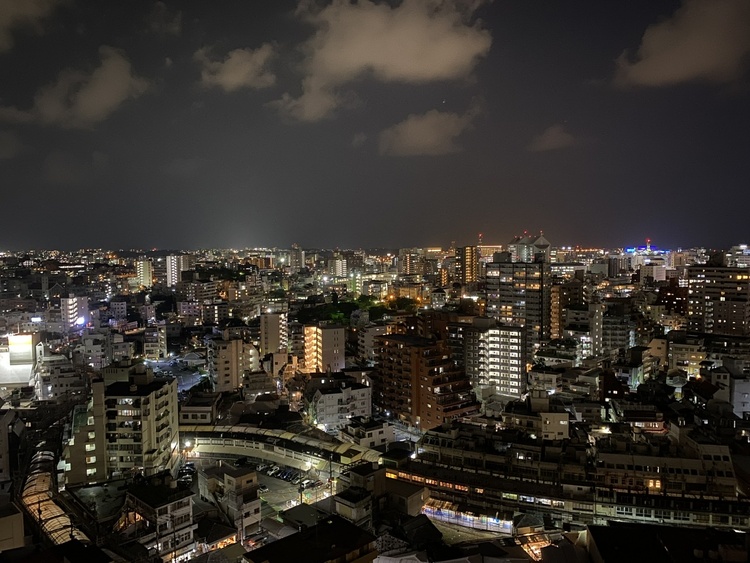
(493, 356)
(519, 294)
(719, 300)
(324, 348)
(417, 382)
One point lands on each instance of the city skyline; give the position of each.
(362, 125)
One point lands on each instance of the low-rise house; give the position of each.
(235, 491)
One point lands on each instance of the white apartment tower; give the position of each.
(324, 348)
(155, 341)
(55, 375)
(128, 426)
(274, 333)
(493, 354)
(227, 359)
(145, 272)
(74, 311)
(176, 264)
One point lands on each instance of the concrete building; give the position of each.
(332, 540)
(227, 360)
(129, 425)
(417, 382)
(719, 300)
(144, 272)
(200, 408)
(519, 294)
(214, 311)
(235, 491)
(274, 333)
(159, 516)
(55, 375)
(467, 264)
(176, 264)
(367, 340)
(410, 261)
(118, 310)
(12, 534)
(367, 432)
(563, 294)
(296, 259)
(529, 248)
(324, 348)
(493, 358)
(74, 311)
(585, 323)
(155, 342)
(332, 406)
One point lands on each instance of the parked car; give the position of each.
(263, 488)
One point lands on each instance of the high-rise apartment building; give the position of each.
(227, 360)
(418, 383)
(129, 425)
(145, 272)
(519, 294)
(493, 356)
(337, 267)
(719, 300)
(563, 294)
(155, 341)
(324, 348)
(411, 261)
(55, 375)
(528, 248)
(467, 264)
(274, 333)
(74, 311)
(176, 264)
(296, 259)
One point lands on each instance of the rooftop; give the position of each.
(125, 389)
(331, 539)
(158, 495)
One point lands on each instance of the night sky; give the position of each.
(359, 124)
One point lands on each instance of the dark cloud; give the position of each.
(359, 139)
(430, 134)
(164, 21)
(414, 42)
(241, 68)
(176, 111)
(704, 39)
(19, 14)
(553, 138)
(81, 100)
